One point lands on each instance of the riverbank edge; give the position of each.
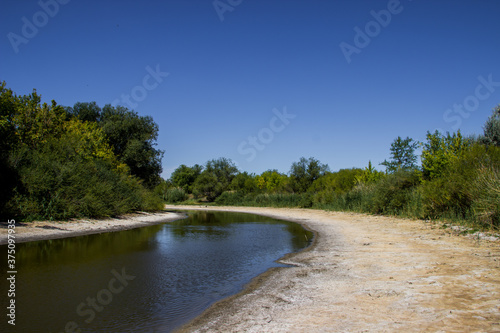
(48, 230)
(365, 273)
(256, 282)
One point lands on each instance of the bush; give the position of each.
(360, 199)
(453, 194)
(230, 199)
(57, 184)
(174, 195)
(393, 193)
(487, 197)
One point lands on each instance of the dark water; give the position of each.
(150, 279)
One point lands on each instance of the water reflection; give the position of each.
(179, 269)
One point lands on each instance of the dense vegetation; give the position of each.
(59, 162)
(458, 179)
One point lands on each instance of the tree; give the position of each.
(244, 183)
(215, 179)
(55, 165)
(304, 172)
(8, 141)
(272, 181)
(131, 137)
(184, 176)
(36, 122)
(403, 155)
(439, 151)
(85, 111)
(338, 182)
(492, 128)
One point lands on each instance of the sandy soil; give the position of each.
(26, 232)
(367, 274)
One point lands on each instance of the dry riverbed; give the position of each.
(26, 232)
(367, 274)
(362, 274)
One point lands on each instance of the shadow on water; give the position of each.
(150, 279)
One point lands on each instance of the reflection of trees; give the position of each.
(207, 225)
(203, 224)
(68, 250)
(220, 224)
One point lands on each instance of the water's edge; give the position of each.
(256, 281)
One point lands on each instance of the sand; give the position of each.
(362, 274)
(367, 274)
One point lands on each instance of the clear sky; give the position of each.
(264, 82)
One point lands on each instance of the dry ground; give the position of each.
(367, 274)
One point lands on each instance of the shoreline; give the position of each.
(46, 230)
(365, 273)
(361, 273)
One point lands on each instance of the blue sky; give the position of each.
(264, 82)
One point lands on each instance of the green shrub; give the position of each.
(174, 195)
(230, 199)
(486, 203)
(393, 193)
(57, 184)
(453, 194)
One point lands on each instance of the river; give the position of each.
(151, 279)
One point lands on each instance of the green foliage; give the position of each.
(403, 155)
(184, 177)
(215, 179)
(369, 175)
(8, 141)
(439, 151)
(492, 128)
(304, 172)
(272, 181)
(302, 200)
(453, 195)
(487, 196)
(341, 181)
(57, 184)
(57, 166)
(459, 180)
(175, 195)
(394, 193)
(244, 183)
(131, 137)
(230, 199)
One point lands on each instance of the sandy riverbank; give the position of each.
(26, 232)
(367, 273)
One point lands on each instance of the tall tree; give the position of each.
(85, 111)
(8, 140)
(216, 178)
(132, 138)
(184, 176)
(304, 172)
(272, 181)
(244, 182)
(403, 155)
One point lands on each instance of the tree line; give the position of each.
(61, 162)
(458, 178)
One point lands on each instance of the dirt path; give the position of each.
(367, 274)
